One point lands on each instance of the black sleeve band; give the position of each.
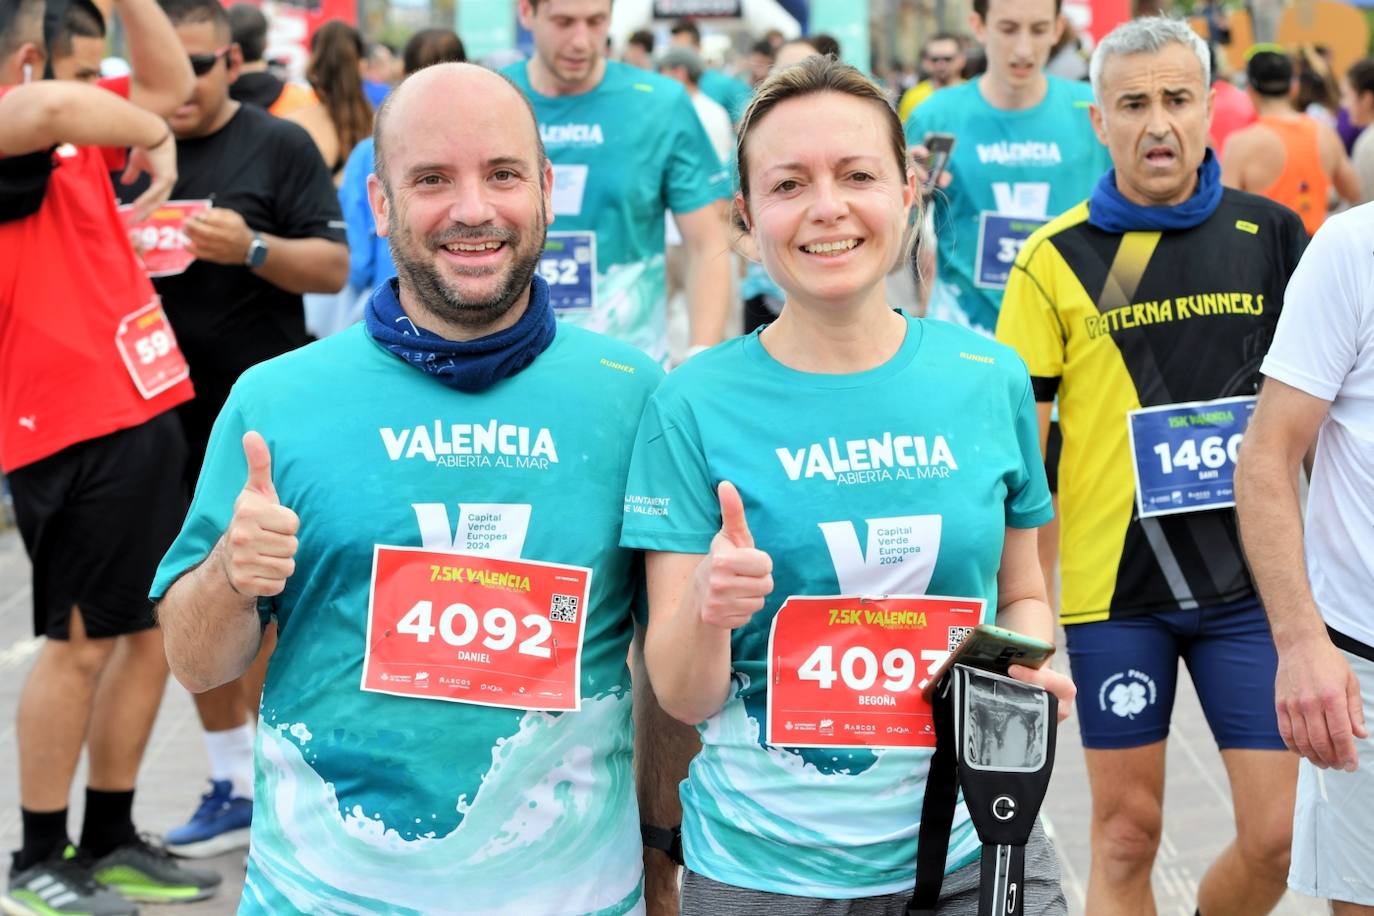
(1044, 388)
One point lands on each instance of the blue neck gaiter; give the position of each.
(1109, 211)
(467, 365)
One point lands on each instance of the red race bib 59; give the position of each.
(848, 671)
(149, 350)
(475, 629)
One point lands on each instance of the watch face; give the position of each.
(257, 253)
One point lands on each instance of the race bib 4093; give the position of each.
(848, 671)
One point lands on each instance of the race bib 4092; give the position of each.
(471, 628)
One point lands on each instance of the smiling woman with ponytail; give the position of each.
(343, 116)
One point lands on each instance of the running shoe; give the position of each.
(220, 824)
(60, 886)
(144, 871)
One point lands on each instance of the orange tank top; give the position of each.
(293, 98)
(1302, 186)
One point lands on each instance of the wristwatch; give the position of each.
(668, 839)
(257, 251)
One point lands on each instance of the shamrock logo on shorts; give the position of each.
(1127, 699)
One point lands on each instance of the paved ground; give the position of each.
(1197, 817)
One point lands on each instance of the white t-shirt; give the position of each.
(716, 120)
(1324, 346)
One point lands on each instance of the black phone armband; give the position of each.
(995, 739)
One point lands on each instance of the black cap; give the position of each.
(1269, 70)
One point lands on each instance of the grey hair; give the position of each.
(1147, 35)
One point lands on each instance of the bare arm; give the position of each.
(1338, 165)
(687, 659)
(1316, 695)
(209, 616)
(1043, 411)
(695, 602)
(310, 265)
(211, 632)
(161, 77)
(1022, 607)
(663, 749)
(41, 115)
(315, 120)
(1233, 158)
(707, 272)
(305, 265)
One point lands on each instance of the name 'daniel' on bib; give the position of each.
(475, 629)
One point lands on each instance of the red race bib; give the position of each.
(471, 628)
(848, 672)
(149, 349)
(159, 238)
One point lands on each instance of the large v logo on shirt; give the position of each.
(900, 559)
(497, 529)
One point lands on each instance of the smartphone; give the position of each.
(940, 146)
(994, 649)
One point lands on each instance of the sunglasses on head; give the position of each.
(202, 64)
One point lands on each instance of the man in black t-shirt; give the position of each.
(274, 232)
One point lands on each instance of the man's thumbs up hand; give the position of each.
(258, 548)
(733, 580)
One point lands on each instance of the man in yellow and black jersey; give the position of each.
(1148, 309)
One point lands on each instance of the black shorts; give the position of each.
(1054, 447)
(96, 519)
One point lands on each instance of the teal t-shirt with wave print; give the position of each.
(624, 154)
(373, 803)
(1011, 171)
(940, 440)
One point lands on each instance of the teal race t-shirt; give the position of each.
(623, 154)
(941, 439)
(1012, 171)
(373, 802)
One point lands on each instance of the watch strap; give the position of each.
(668, 839)
(257, 251)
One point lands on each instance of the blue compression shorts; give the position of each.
(1126, 671)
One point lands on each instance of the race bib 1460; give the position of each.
(1185, 454)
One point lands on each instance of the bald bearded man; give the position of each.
(429, 506)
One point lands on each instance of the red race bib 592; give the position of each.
(848, 671)
(159, 239)
(476, 629)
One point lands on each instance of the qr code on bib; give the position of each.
(958, 635)
(563, 609)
